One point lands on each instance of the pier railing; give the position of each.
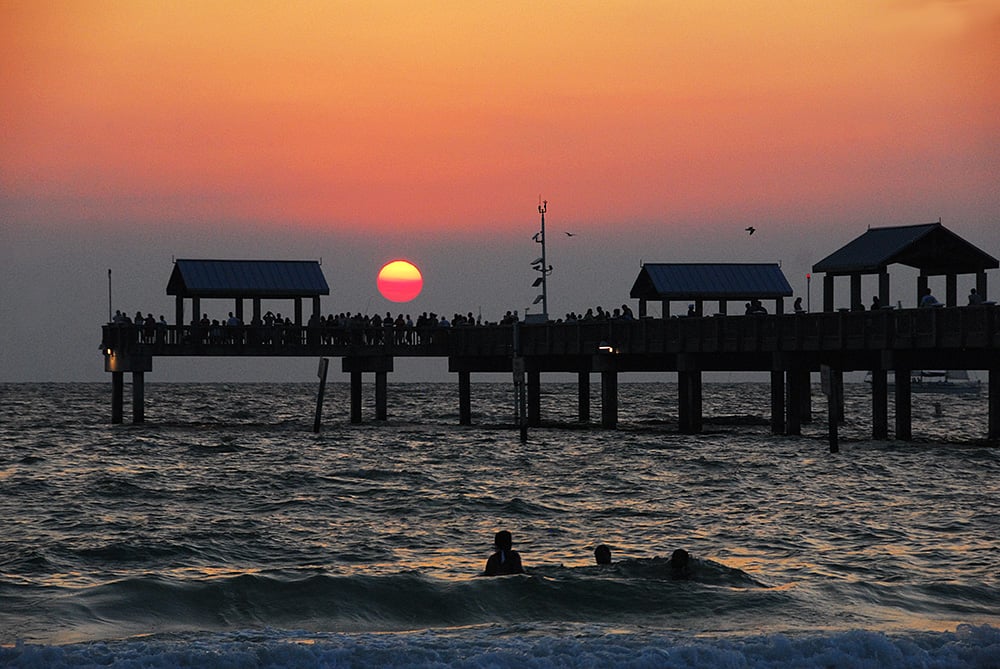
(965, 328)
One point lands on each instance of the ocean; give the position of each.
(223, 532)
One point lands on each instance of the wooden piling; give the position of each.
(381, 395)
(833, 387)
(793, 405)
(324, 364)
(583, 397)
(777, 402)
(534, 398)
(609, 399)
(880, 404)
(904, 405)
(138, 397)
(993, 389)
(356, 397)
(117, 397)
(465, 398)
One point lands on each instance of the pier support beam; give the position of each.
(138, 397)
(689, 401)
(583, 396)
(381, 396)
(534, 399)
(805, 396)
(609, 399)
(118, 397)
(356, 397)
(777, 402)
(356, 367)
(993, 388)
(833, 405)
(464, 398)
(880, 404)
(904, 406)
(793, 403)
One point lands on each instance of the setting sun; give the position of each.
(400, 281)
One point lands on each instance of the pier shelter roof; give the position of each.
(930, 248)
(710, 281)
(277, 279)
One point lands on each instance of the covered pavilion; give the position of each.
(930, 248)
(698, 282)
(241, 280)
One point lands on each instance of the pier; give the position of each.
(790, 347)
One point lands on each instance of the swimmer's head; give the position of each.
(679, 559)
(602, 554)
(502, 540)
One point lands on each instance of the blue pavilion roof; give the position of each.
(247, 279)
(710, 281)
(931, 248)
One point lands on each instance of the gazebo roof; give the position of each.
(279, 279)
(931, 248)
(710, 281)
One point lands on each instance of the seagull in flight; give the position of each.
(570, 234)
(750, 229)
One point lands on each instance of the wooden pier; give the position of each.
(788, 346)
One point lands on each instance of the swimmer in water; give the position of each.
(505, 560)
(602, 554)
(680, 564)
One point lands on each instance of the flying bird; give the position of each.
(750, 229)
(571, 234)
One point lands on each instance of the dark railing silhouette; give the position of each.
(967, 329)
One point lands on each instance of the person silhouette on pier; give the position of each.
(928, 299)
(505, 560)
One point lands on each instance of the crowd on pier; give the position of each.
(334, 329)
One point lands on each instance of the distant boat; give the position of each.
(952, 381)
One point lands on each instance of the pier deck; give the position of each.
(789, 346)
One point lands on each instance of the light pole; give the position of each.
(540, 264)
(809, 277)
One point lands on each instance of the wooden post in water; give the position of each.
(356, 397)
(534, 398)
(993, 389)
(381, 395)
(138, 397)
(465, 398)
(805, 396)
(324, 363)
(117, 397)
(583, 396)
(832, 387)
(777, 401)
(880, 404)
(904, 406)
(609, 399)
(793, 403)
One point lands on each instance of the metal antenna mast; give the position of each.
(540, 264)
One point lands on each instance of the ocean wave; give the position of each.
(968, 647)
(631, 592)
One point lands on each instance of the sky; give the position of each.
(355, 133)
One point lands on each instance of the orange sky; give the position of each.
(450, 116)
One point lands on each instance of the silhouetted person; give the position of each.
(928, 300)
(876, 303)
(505, 560)
(680, 564)
(797, 307)
(602, 554)
(975, 298)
